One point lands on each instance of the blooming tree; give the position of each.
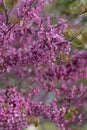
(34, 49)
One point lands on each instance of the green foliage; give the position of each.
(77, 7)
(13, 19)
(72, 111)
(1, 7)
(61, 6)
(68, 116)
(10, 3)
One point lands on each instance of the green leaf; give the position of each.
(77, 7)
(2, 8)
(68, 116)
(10, 3)
(5, 105)
(13, 19)
(84, 36)
(23, 110)
(79, 42)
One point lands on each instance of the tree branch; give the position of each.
(21, 17)
(5, 11)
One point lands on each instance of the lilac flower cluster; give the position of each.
(13, 110)
(34, 50)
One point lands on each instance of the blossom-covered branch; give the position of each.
(36, 50)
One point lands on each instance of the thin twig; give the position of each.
(21, 17)
(73, 17)
(75, 36)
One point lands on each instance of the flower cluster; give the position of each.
(13, 110)
(16, 110)
(35, 52)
